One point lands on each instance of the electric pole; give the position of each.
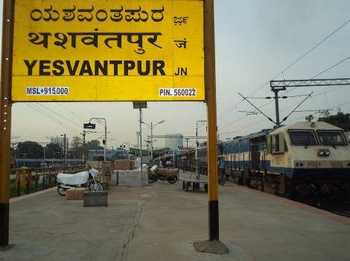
(277, 109)
(65, 149)
(84, 147)
(151, 141)
(90, 125)
(197, 146)
(139, 105)
(282, 85)
(140, 123)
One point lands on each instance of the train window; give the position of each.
(277, 143)
(302, 137)
(269, 142)
(285, 145)
(332, 138)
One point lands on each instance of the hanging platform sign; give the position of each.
(101, 50)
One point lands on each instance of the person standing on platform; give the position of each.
(222, 170)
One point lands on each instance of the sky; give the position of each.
(255, 41)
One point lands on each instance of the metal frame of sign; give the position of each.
(5, 118)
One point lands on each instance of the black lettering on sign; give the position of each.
(51, 14)
(180, 20)
(143, 70)
(86, 69)
(103, 68)
(69, 14)
(36, 15)
(157, 14)
(181, 43)
(115, 64)
(158, 66)
(72, 70)
(101, 15)
(30, 65)
(128, 66)
(121, 14)
(44, 68)
(95, 68)
(58, 68)
(181, 71)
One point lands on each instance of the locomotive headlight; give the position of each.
(299, 164)
(323, 153)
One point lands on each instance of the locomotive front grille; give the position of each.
(322, 164)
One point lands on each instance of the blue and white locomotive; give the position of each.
(303, 159)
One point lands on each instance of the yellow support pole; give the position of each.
(210, 86)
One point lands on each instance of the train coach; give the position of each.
(303, 160)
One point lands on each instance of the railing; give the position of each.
(29, 180)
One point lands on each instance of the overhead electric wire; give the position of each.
(316, 75)
(252, 104)
(333, 66)
(312, 96)
(331, 108)
(49, 116)
(252, 123)
(52, 116)
(325, 70)
(73, 116)
(318, 44)
(295, 108)
(302, 56)
(298, 59)
(270, 97)
(59, 115)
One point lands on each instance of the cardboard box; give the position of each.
(75, 194)
(123, 164)
(168, 171)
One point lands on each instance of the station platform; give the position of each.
(161, 222)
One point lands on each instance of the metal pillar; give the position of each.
(151, 141)
(196, 153)
(105, 143)
(278, 123)
(105, 139)
(84, 147)
(65, 149)
(197, 147)
(140, 122)
(5, 119)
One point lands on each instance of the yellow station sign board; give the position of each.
(102, 50)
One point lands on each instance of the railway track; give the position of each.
(338, 208)
(335, 206)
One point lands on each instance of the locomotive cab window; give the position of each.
(331, 138)
(302, 137)
(278, 144)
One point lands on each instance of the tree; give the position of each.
(29, 150)
(76, 147)
(76, 142)
(53, 151)
(341, 120)
(94, 145)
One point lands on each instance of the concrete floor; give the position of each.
(160, 222)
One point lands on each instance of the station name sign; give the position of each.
(101, 50)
